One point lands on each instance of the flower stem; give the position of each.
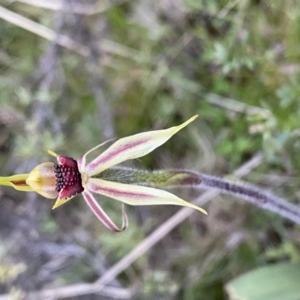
(180, 178)
(254, 195)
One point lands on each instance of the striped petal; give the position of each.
(102, 216)
(135, 194)
(132, 147)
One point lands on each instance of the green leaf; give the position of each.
(274, 282)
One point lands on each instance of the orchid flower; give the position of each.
(70, 177)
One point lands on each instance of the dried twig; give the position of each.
(75, 291)
(77, 8)
(236, 106)
(42, 31)
(63, 40)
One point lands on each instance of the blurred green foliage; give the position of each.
(270, 282)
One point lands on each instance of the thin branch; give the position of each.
(75, 291)
(104, 113)
(42, 31)
(63, 40)
(236, 106)
(77, 8)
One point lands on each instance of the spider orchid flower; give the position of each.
(70, 177)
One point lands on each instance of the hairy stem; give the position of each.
(254, 195)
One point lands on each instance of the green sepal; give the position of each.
(157, 179)
(18, 182)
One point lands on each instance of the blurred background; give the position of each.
(76, 73)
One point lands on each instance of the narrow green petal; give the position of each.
(136, 195)
(18, 182)
(132, 147)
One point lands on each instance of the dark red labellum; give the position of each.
(68, 177)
